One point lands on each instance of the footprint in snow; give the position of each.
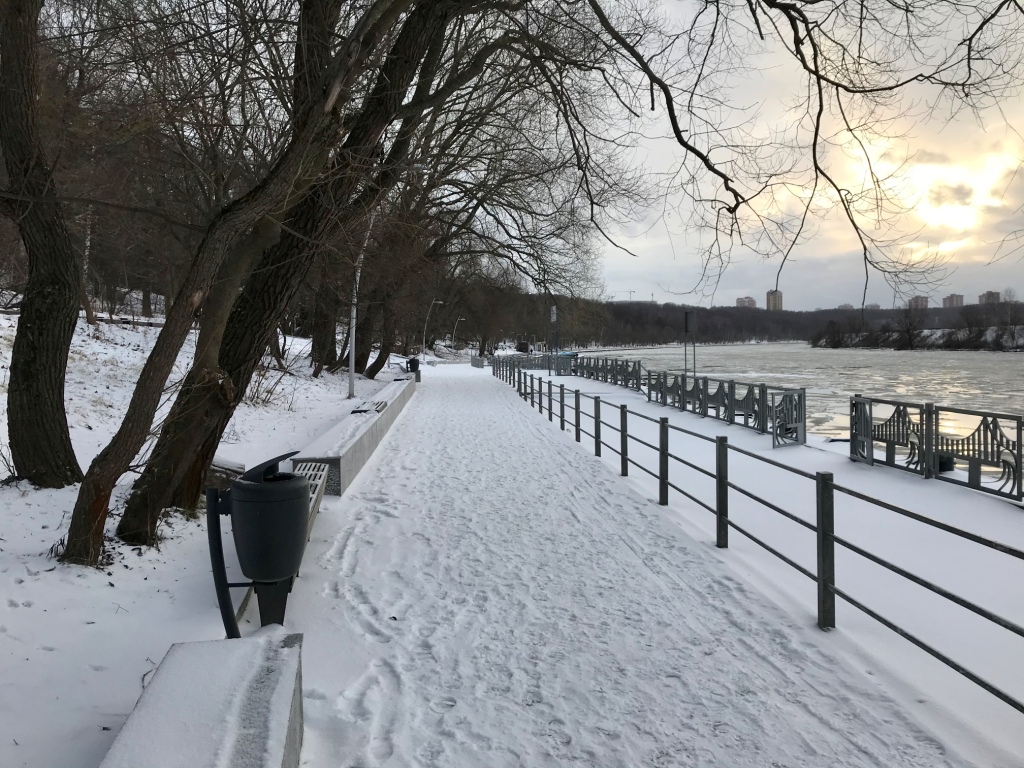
(443, 704)
(532, 697)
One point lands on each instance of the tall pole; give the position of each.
(352, 311)
(453, 332)
(423, 345)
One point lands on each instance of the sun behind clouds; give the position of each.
(954, 195)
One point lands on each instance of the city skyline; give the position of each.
(990, 296)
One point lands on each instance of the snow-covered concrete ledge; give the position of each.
(218, 704)
(348, 445)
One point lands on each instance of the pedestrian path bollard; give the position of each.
(269, 513)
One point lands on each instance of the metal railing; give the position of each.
(541, 395)
(913, 440)
(780, 411)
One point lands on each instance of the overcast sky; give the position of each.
(962, 185)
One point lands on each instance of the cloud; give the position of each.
(950, 194)
(927, 157)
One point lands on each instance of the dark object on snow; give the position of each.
(413, 364)
(269, 523)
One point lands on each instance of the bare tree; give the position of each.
(37, 423)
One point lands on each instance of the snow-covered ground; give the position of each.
(78, 644)
(489, 593)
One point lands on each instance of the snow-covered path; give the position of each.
(487, 593)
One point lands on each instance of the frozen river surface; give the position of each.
(985, 381)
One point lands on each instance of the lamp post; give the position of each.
(453, 332)
(352, 310)
(423, 345)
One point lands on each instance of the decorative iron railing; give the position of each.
(765, 409)
(782, 412)
(913, 439)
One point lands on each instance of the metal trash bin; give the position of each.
(269, 513)
(269, 521)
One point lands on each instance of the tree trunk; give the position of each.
(224, 291)
(83, 283)
(147, 302)
(37, 422)
(276, 351)
(206, 392)
(325, 324)
(364, 335)
(387, 343)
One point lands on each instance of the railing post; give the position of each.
(762, 422)
(532, 402)
(722, 491)
(577, 415)
(648, 386)
(540, 395)
(663, 461)
(730, 408)
(624, 438)
(561, 406)
(704, 398)
(597, 426)
(551, 413)
(519, 382)
(826, 551)
(928, 438)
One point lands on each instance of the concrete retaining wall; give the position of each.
(346, 451)
(218, 704)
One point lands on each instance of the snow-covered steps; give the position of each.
(218, 704)
(348, 445)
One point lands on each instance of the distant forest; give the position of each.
(584, 323)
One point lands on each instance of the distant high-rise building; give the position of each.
(989, 297)
(918, 302)
(872, 306)
(746, 301)
(774, 300)
(845, 306)
(953, 300)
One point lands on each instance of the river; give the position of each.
(984, 381)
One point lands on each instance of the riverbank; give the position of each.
(1008, 338)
